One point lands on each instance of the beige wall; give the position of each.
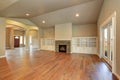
(34, 36)
(63, 31)
(48, 32)
(8, 30)
(108, 8)
(19, 33)
(87, 30)
(9, 38)
(2, 36)
(12, 39)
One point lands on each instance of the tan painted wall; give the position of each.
(63, 31)
(12, 39)
(2, 36)
(87, 30)
(34, 35)
(8, 30)
(19, 33)
(9, 38)
(108, 8)
(48, 32)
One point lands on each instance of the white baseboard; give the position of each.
(98, 55)
(2, 56)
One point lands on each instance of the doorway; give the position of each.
(108, 41)
(16, 41)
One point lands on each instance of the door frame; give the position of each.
(113, 19)
(108, 57)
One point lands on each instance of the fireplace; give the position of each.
(62, 48)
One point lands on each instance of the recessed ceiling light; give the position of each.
(43, 22)
(77, 15)
(27, 14)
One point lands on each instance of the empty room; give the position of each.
(59, 40)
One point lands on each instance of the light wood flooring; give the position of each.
(20, 64)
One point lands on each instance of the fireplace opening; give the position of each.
(62, 48)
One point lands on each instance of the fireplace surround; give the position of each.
(62, 44)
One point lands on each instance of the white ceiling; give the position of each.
(6, 3)
(88, 12)
(52, 11)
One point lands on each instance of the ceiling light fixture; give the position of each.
(43, 22)
(16, 37)
(77, 15)
(27, 14)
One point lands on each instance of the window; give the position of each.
(21, 39)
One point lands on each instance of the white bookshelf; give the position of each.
(47, 44)
(84, 45)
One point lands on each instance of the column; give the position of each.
(27, 39)
(40, 32)
(11, 39)
(2, 36)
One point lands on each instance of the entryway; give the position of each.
(16, 41)
(108, 41)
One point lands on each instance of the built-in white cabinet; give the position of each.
(47, 44)
(84, 45)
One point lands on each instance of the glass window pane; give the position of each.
(105, 42)
(111, 43)
(21, 39)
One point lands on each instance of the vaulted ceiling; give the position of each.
(52, 11)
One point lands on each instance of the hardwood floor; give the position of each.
(47, 65)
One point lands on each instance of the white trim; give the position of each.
(108, 19)
(114, 56)
(98, 55)
(2, 56)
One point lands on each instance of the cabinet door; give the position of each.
(84, 45)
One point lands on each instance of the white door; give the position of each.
(107, 42)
